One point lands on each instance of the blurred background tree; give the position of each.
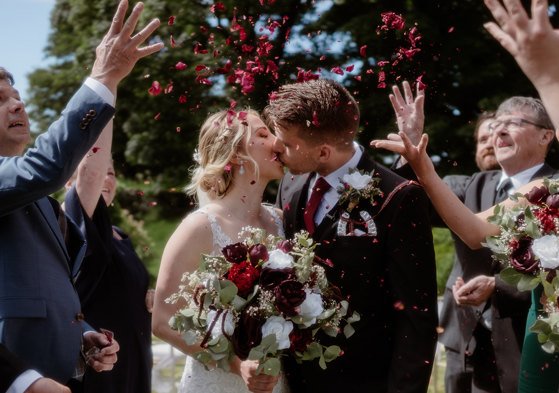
(236, 53)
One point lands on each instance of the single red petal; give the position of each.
(242, 115)
(349, 68)
(171, 20)
(362, 51)
(180, 66)
(172, 42)
(95, 149)
(155, 88)
(337, 70)
(157, 116)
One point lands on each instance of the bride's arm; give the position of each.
(471, 228)
(192, 238)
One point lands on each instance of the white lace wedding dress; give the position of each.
(195, 377)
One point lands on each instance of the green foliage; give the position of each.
(444, 254)
(465, 70)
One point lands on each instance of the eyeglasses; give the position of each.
(511, 125)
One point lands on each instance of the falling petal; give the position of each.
(362, 51)
(171, 20)
(155, 88)
(180, 66)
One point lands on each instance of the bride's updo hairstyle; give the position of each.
(224, 136)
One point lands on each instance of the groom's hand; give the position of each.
(46, 385)
(105, 358)
(257, 383)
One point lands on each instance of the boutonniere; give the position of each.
(358, 185)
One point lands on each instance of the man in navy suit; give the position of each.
(378, 252)
(42, 329)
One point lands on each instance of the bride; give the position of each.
(235, 163)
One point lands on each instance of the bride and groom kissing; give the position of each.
(374, 239)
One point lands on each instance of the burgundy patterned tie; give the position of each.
(320, 188)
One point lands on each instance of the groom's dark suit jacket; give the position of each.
(509, 307)
(388, 278)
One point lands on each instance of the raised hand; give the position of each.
(119, 51)
(409, 111)
(532, 42)
(415, 155)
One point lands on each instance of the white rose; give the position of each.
(279, 327)
(546, 248)
(228, 326)
(311, 307)
(357, 180)
(278, 259)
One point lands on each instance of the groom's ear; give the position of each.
(325, 152)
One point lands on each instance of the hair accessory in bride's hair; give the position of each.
(196, 157)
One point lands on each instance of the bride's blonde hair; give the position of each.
(223, 136)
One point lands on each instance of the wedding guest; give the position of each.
(113, 282)
(235, 162)
(40, 316)
(485, 153)
(483, 319)
(535, 46)
(379, 253)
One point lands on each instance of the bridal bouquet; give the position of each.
(529, 246)
(264, 298)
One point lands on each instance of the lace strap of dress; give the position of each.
(277, 219)
(220, 239)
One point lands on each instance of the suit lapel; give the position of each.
(490, 191)
(46, 209)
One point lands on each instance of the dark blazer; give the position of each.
(10, 368)
(40, 315)
(509, 307)
(389, 278)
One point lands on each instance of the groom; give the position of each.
(380, 253)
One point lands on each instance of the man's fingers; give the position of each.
(132, 20)
(407, 92)
(118, 18)
(396, 147)
(143, 34)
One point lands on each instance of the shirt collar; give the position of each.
(521, 178)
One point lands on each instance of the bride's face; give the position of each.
(261, 149)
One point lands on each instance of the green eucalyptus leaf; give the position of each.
(331, 353)
(272, 366)
(190, 337)
(348, 330)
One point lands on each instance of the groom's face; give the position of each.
(294, 152)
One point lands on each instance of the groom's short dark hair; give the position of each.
(322, 110)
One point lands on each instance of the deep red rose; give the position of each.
(546, 218)
(552, 201)
(300, 340)
(235, 253)
(537, 195)
(271, 278)
(522, 258)
(258, 253)
(243, 275)
(285, 245)
(247, 335)
(289, 295)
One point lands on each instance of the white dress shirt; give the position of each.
(331, 197)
